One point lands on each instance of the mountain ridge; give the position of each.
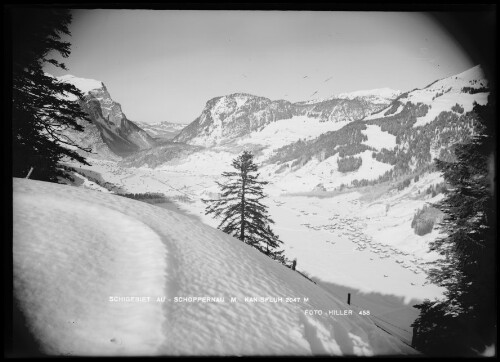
(422, 124)
(342, 140)
(118, 135)
(225, 118)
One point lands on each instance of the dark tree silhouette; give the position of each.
(243, 215)
(464, 322)
(42, 107)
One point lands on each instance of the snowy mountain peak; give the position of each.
(473, 73)
(234, 100)
(83, 84)
(456, 93)
(473, 78)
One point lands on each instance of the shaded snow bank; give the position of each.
(75, 248)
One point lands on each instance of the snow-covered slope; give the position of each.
(77, 252)
(286, 131)
(119, 134)
(402, 138)
(462, 89)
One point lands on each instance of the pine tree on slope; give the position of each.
(243, 215)
(464, 322)
(41, 105)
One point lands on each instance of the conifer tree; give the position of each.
(240, 209)
(42, 107)
(464, 322)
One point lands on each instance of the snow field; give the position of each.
(446, 102)
(74, 248)
(69, 257)
(285, 131)
(378, 139)
(342, 247)
(92, 185)
(326, 172)
(444, 94)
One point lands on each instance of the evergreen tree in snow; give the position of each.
(464, 322)
(240, 209)
(41, 105)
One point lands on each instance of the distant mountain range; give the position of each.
(377, 96)
(162, 130)
(357, 138)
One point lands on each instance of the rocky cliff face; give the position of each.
(228, 117)
(116, 131)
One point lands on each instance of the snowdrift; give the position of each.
(99, 274)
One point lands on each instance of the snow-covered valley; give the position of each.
(359, 242)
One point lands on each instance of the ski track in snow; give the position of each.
(73, 248)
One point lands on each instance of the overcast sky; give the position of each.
(163, 65)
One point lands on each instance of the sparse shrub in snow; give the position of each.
(393, 108)
(91, 176)
(424, 220)
(150, 197)
(349, 164)
(360, 183)
(182, 198)
(319, 187)
(282, 168)
(471, 90)
(458, 108)
(404, 184)
(437, 189)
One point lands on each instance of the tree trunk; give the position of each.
(242, 223)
